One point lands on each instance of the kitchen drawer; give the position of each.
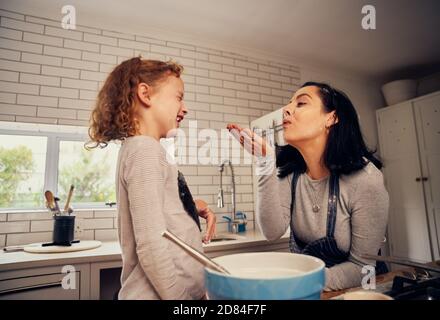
(42, 287)
(45, 284)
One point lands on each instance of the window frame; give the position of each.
(54, 135)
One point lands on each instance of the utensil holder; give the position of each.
(63, 230)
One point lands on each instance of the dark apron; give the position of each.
(187, 199)
(325, 248)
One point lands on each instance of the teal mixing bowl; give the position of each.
(266, 276)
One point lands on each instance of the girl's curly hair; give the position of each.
(113, 117)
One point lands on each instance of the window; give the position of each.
(91, 172)
(35, 158)
(22, 165)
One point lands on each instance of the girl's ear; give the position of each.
(143, 93)
(332, 119)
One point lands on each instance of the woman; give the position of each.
(140, 103)
(329, 189)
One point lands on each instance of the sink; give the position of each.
(221, 239)
(227, 237)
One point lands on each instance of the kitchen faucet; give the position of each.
(220, 202)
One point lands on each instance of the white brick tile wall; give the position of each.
(113, 34)
(7, 97)
(80, 64)
(11, 34)
(16, 109)
(56, 113)
(55, 71)
(9, 75)
(37, 120)
(106, 58)
(62, 52)
(21, 46)
(25, 238)
(79, 84)
(59, 92)
(37, 100)
(75, 104)
(134, 44)
(21, 25)
(51, 75)
(41, 59)
(111, 41)
(81, 45)
(245, 79)
(41, 225)
(39, 79)
(9, 54)
(106, 235)
(9, 14)
(179, 45)
(38, 38)
(62, 33)
(124, 52)
(14, 227)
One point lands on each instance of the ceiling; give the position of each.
(319, 32)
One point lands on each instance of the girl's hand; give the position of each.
(252, 143)
(206, 213)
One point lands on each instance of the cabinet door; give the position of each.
(428, 128)
(407, 226)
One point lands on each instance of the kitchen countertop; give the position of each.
(111, 251)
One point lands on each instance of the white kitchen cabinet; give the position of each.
(105, 280)
(45, 284)
(409, 137)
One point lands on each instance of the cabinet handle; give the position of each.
(31, 288)
(418, 179)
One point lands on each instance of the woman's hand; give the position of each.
(253, 143)
(206, 213)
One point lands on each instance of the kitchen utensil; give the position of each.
(266, 276)
(57, 207)
(69, 197)
(18, 248)
(50, 200)
(403, 262)
(203, 259)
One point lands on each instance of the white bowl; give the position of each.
(399, 90)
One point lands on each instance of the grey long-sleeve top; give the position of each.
(148, 203)
(362, 215)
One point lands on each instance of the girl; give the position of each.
(140, 103)
(329, 189)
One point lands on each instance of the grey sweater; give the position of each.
(148, 203)
(362, 214)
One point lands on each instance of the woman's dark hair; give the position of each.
(345, 151)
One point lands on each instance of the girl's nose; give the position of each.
(184, 109)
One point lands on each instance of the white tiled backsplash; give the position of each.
(51, 75)
(20, 228)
